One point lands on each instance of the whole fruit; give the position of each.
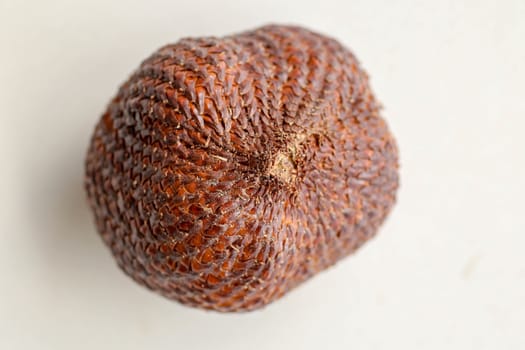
(226, 171)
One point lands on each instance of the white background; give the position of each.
(447, 270)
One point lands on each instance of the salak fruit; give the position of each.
(226, 171)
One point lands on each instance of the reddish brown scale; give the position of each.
(226, 171)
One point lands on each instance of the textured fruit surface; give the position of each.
(226, 171)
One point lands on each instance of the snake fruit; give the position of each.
(227, 171)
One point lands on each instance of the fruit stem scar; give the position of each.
(284, 164)
(283, 167)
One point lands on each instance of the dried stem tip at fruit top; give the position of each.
(226, 171)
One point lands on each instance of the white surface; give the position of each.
(446, 272)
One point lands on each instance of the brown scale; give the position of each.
(226, 171)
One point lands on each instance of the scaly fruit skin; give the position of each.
(226, 171)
